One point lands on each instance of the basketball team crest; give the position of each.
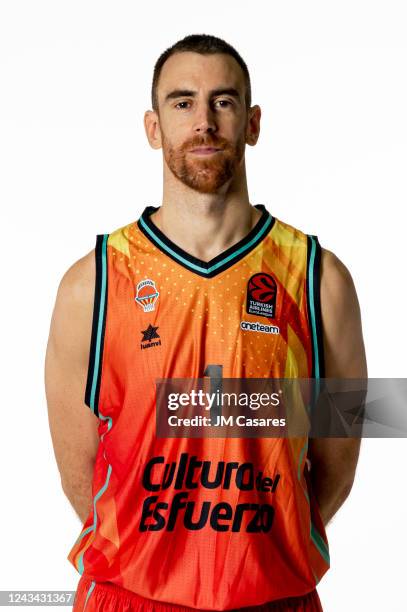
(261, 295)
(147, 294)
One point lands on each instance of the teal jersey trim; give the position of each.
(89, 593)
(98, 495)
(314, 305)
(221, 262)
(98, 325)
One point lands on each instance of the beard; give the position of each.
(204, 174)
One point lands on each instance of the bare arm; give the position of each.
(334, 460)
(73, 426)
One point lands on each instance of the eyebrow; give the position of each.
(221, 91)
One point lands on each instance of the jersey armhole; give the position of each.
(94, 374)
(313, 291)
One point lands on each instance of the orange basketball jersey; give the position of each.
(170, 519)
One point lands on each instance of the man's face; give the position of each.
(201, 104)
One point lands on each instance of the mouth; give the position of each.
(205, 150)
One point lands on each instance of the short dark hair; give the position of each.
(205, 45)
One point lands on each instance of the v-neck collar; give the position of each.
(221, 262)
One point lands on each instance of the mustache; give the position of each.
(194, 143)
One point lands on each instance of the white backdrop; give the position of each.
(75, 81)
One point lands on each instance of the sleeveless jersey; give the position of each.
(160, 313)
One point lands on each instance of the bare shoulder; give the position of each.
(341, 319)
(334, 274)
(338, 292)
(71, 321)
(78, 282)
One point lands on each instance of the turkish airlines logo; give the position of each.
(261, 295)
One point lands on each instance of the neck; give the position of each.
(202, 224)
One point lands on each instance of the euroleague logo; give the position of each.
(261, 295)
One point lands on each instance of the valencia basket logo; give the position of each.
(261, 295)
(146, 294)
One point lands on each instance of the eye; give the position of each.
(183, 102)
(224, 103)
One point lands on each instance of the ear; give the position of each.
(152, 128)
(253, 125)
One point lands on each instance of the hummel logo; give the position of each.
(149, 334)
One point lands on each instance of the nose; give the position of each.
(205, 120)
